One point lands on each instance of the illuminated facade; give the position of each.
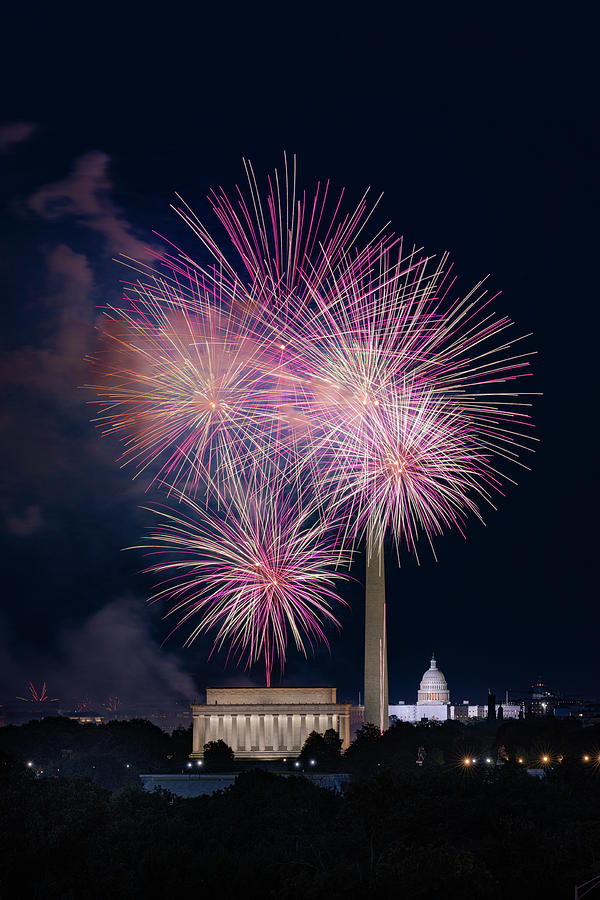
(433, 690)
(433, 703)
(267, 723)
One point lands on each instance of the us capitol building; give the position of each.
(433, 703)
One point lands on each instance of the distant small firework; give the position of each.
(38, 696)
(113, 704)
(258, 573)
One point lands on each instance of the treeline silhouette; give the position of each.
(442, 829)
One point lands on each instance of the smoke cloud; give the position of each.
(113, 652)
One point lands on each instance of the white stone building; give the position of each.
(267, 723)
(433, 703)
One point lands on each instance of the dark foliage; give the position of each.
(218, 756)
(398, 830)
(111, 755)
(436, 833)
(322, 751)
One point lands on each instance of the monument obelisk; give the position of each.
(376, 675)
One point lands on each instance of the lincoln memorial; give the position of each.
(267, 723)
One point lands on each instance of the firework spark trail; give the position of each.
(415, 466)
(388, 359)
(281, 239)
(40, 696)
(194, 389)
(259, 572)
(312, 386)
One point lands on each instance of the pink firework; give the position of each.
(413, 467)
(318, 389)
(393, 370)
(287, 240)
(259, 572)
(38, 695)
(191, 387)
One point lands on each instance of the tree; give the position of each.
(313, 749)
(322, 751)
(333, 742)
(366, 750)
(218, 756)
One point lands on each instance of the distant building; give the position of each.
(542, 700)
(87, 719)
(433, 699)
(433, 703)
(357, 719)
(269, 722)
(537, 701)
(585, 711)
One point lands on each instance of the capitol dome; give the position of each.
(433, 688)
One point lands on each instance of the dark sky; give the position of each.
(477, 123)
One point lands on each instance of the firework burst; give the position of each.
(408, 397)
(259, 572)
(287, 241)
(192, 389)
(38, 695)
(413, 467)
(318, 389)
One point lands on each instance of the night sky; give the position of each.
(478, 125)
